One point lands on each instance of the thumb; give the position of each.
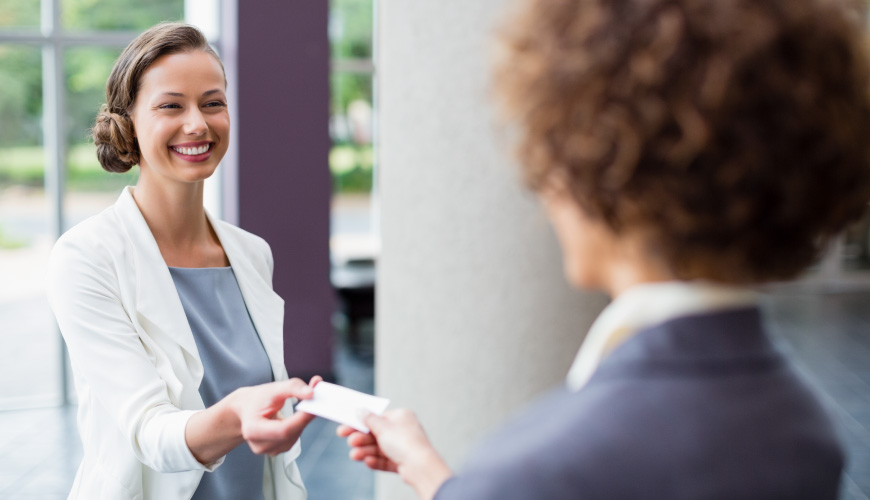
(375, 423)
(295, 388)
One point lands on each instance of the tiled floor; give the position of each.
(39, 454)
(828, 335)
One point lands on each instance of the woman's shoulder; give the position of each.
(97, 235)
(89, 256)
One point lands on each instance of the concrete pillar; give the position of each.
(474, 315)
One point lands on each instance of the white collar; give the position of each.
(645, 305)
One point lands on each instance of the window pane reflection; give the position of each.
(29, 344)
(119, 14)
(89, 188)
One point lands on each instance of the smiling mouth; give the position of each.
(192, 151)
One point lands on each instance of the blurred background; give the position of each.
(55, 57)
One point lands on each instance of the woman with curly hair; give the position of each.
(685, 152)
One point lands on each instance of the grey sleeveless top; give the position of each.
(232, 357)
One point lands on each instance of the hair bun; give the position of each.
(117, 149)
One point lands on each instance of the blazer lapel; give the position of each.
(264, 305)
(157, 300)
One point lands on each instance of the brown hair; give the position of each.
(117, 148)
(734, 136)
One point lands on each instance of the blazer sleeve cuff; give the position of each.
(175, 455)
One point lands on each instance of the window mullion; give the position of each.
(53, 130)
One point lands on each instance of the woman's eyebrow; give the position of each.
(179, 94)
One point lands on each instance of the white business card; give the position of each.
(342, 405)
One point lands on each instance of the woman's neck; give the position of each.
(625, 275)
(177, 220)
(629, 262)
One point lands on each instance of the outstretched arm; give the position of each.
(398, 443)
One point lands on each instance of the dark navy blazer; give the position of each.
(697, 408)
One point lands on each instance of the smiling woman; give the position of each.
(170, 385)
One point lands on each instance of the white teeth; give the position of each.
(193, 151)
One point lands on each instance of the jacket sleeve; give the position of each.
(520, 478)
(489, 485)
(108, 357)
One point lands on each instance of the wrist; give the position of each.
(229, 413)
(213, 432)
(425, 471)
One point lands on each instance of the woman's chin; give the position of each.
(199, 173)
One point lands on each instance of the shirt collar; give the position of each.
(646, 305)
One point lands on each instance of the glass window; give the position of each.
(89, 188)
(29, 347)
(351, 127)
(350, 159)
(350, 29)
(19, 13)
(92, 15)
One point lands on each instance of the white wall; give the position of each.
(474, 316)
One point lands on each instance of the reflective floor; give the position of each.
(828, 335)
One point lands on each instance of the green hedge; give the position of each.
(25, 164)
(351, 168)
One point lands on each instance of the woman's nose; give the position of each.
(195, 123)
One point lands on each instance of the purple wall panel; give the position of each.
(284, 181)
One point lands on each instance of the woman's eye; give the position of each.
(215, 104)
(169, 106)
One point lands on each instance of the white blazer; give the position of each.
(137, 370)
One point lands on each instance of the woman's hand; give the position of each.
(249, 414)
(398, 443)
(262, 425)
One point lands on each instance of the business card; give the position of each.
(342, 405)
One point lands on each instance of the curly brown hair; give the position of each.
(733, 135)
(117, 147)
